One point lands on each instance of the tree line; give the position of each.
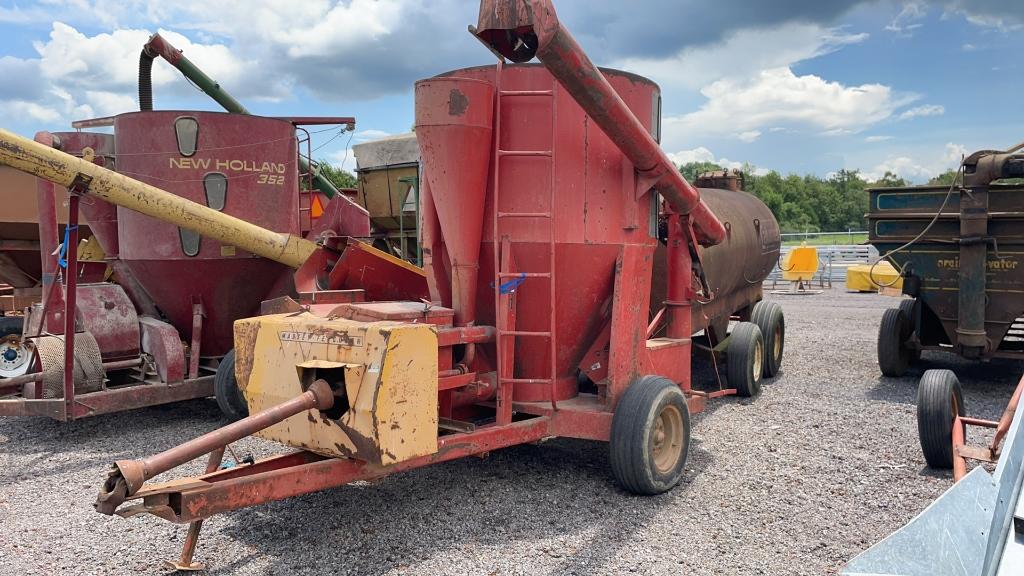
(806, 203)
(811, 203)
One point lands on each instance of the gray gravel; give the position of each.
(822, 464)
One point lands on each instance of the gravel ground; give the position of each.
(824, 463)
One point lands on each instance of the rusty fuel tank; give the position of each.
(735, 268)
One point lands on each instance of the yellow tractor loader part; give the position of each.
(862, 278)
(384, 375)
(800, 264)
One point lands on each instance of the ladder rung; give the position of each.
(524, 334)
(526, 92)
(525, 381)
(546, 153)
(524, 214)
(524, 274)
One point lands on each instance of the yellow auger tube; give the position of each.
(60, 168)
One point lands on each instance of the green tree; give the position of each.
(338, 176)
(944, 179)
(691, 170)
(807, 203)
(890, 180)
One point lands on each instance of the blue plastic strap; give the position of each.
(62, 255)
(510, 286)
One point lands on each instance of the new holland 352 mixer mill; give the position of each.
(551, 220)
(125, 337)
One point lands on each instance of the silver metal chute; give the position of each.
(975, 528)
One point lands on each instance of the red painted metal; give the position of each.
(163, 342)
(539, 194)
(319, 120)
(257, 157)
(361, 266)
(521, 30)
(289, 475)
(962, 451)
(129, 475)
(454, 124)
(106, 312)
(108, 401)
(71, 251)
(53, 296)
(197, 330)
(188, 550)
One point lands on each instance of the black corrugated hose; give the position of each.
(146, 80)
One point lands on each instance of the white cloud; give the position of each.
(109, 61)
(78, 76)
(994, 15)
(741, 54)
(926, 110)
(778, 96)
(916, 169)
(878, 138)
(702, 154)
(968, 47)
(905, 21)
(749, 135)
(368, 135)
(31, 110)
(344, 159)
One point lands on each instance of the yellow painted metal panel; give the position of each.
(388, 371)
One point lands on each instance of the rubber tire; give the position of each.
(740, 356)
(630, 446)
(225, 389)
(907, 306)
(768, 316)
(10, 325)
(893, 357)
(937, 392)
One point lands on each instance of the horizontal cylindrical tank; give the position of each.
(735, 268)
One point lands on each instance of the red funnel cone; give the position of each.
(454, 123)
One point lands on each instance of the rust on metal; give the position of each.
(127, 476)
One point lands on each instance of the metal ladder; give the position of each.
(306, 193)
(506, 279)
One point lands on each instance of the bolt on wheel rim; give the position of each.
(668, 439)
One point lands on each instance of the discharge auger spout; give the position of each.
(66, 170)
(521, 29)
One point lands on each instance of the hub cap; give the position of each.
(668, 439)
(14, 357)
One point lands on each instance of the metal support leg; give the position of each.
(70, 279)
(197, 335)
(188, 551)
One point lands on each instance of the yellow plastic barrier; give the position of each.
(860, 277)
(800, 264)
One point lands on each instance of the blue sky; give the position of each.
(801, 86)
